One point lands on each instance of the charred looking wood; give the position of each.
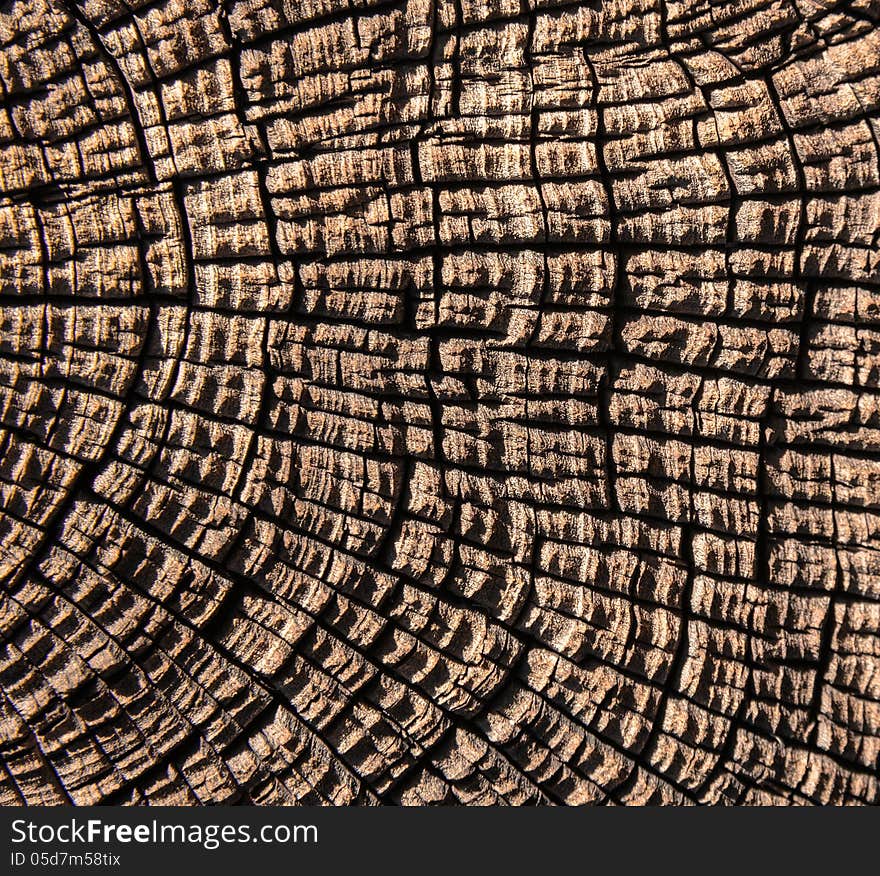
(467, 401)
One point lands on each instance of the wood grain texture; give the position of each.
(448, 401)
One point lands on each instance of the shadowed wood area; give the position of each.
(439, 401)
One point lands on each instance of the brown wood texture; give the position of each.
(468, 401)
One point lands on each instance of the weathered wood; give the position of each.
(439, 401)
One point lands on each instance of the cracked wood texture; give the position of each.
(439, 401)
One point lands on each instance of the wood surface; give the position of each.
(467, 401)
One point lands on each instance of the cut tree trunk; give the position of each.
(470, 401)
